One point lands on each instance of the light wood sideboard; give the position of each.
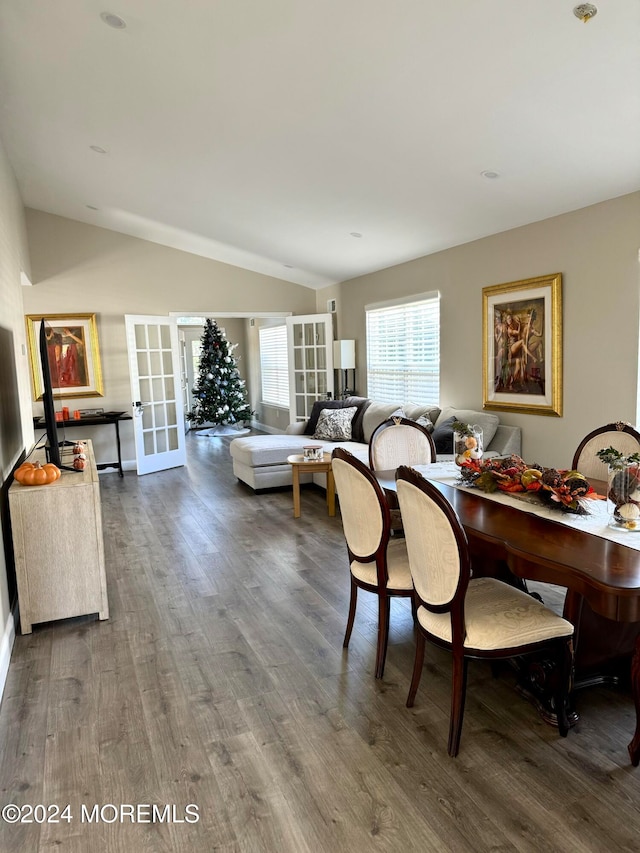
(58, 546)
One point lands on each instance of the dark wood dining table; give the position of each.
(603, 573)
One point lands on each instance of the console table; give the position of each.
(95, 420)
(58, 546)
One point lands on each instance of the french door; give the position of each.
(310, 350)
(154, 368)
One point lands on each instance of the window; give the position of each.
(403, 350)
(274, 365)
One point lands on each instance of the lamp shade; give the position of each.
(344, 355)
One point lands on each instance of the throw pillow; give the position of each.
(443, 436)
(335, 424)
(357, 425)
(318, 406)
(423, 420)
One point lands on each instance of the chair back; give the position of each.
(400, 441)
(621, 436)
(436, 543)
(364, 510)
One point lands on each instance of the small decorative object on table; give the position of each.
(562, 490)
(467, 442)
(623, 488)
(312, 452)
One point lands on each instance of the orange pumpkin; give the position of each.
(35, 474)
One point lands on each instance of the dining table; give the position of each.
(596, 564)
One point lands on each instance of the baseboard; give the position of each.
(264, 428)
(6, 647)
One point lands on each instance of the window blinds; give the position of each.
(274, 365)
(403, 351)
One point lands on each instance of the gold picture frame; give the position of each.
(74, 355)
(522, 346)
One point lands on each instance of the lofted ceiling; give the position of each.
(267, 133)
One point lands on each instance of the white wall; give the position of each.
(16, 428)
(596, 250)
(82, 268)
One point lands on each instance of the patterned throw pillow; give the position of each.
(335, 424)
(423, 420)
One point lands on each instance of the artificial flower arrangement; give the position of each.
(561, 489)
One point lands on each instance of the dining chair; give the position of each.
(472, 617)
(622, 436)
(596, 638)
(399, 441)
(377, 563)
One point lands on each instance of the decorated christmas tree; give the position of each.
(220, 395)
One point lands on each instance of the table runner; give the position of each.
(596, 523)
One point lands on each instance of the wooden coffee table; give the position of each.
(320, 466)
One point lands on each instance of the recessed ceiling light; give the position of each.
(490, 175)
(355, 234)
(98, 149)
(112, 20)
(91, 207)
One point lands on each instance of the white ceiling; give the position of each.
(264, 132)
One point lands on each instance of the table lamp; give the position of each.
(344, 358)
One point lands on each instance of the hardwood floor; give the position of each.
(220, 681)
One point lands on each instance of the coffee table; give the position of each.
(318, 466)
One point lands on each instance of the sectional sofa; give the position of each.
(260, 461)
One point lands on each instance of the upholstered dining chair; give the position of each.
(622, 436)
(399, 441)
(377, 563)
(595, 636)
(472, 617)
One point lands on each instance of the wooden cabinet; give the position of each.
(58, 546)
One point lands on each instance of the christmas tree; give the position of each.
(219, 393)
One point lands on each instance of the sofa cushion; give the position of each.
(422, 420)
(485, 420)
(376, 413)
(335, 424)
(256, 450)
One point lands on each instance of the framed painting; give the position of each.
(74, 355)
(522, 346)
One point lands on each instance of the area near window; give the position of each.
(403, 349)
(274, 365)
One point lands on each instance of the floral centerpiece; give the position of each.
(561, 489)
(623, 488)
(467, 442)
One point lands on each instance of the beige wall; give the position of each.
(596, 250)
(16, 429)
(80, 268)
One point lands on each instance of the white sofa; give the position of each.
(260, 461)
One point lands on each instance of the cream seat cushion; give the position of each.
(397, 567)
(498, 616)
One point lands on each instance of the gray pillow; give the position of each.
(335, 424)
(443, 435)
(318, 406)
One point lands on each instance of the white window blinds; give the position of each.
(403, 350)
(274, 365)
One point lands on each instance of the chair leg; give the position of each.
(565, 666)
(458, 692)
(418, 663)
(384, 607)
(352, 613)
(414, 608)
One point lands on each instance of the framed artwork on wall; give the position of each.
(74, 355)
(522, 346)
